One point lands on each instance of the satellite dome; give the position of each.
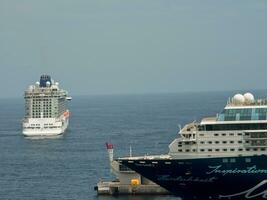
(249, 98)
(238, 99)
(37, 83)
(31, 87)
(48, 83)
(56, 83)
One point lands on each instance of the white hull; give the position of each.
(59, 127)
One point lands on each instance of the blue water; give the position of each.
(69, 167)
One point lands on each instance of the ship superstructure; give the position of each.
(221, 157)
(46, 112)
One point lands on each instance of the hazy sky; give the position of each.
(139, 46)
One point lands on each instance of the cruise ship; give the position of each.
(46, 112)
(220, 157)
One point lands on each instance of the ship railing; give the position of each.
(188, 139)
(193, 126)
(255, 146)
(257, 102)
(150, 157)
(254, 138)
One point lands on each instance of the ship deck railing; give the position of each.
(146, 157)
(257, 102)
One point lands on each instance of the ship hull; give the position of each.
(207, 178)
(32, 132)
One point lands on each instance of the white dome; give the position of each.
(238, 99)
(37, 83)
(56, 83)
(249, 98)
(31, 87)
(48, 83)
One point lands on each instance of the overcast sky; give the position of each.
(151, 46)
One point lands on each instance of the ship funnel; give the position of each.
(44, 79)
(110, 151)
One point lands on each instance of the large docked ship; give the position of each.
(46, 112)
(221, 157)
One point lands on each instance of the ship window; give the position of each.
(187, 150)
(202, 142)
(240, 142)
(201, 134)
(247, 149)
(222, 127)
(231, 142)
(232, 149)
(217, 142)
(217, 149)
(239, 134)
(223, 134)
(216, 134)
(209, 149)
(224, 142)
(202, 150)
(179, 145)
(255, 149)
(210, 142)
(187, 143)
(180, 150)
(225, 160)
(262, 149)
(248, 160)
(232, 160)
(231, 134)
(224, 149)
(240, 149)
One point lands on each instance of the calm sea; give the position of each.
(69, 167)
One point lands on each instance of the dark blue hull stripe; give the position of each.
(216, 178)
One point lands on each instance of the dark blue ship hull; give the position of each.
(207, 178)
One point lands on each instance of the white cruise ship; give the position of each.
(46, 112)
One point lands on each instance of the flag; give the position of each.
(109, 145)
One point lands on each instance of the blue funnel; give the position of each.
(44, 79)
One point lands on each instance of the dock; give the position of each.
(128, 182)
(117, 188)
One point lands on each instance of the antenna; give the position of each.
(130, 151)
(180, 127)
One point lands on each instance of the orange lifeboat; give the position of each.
(66, 114)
